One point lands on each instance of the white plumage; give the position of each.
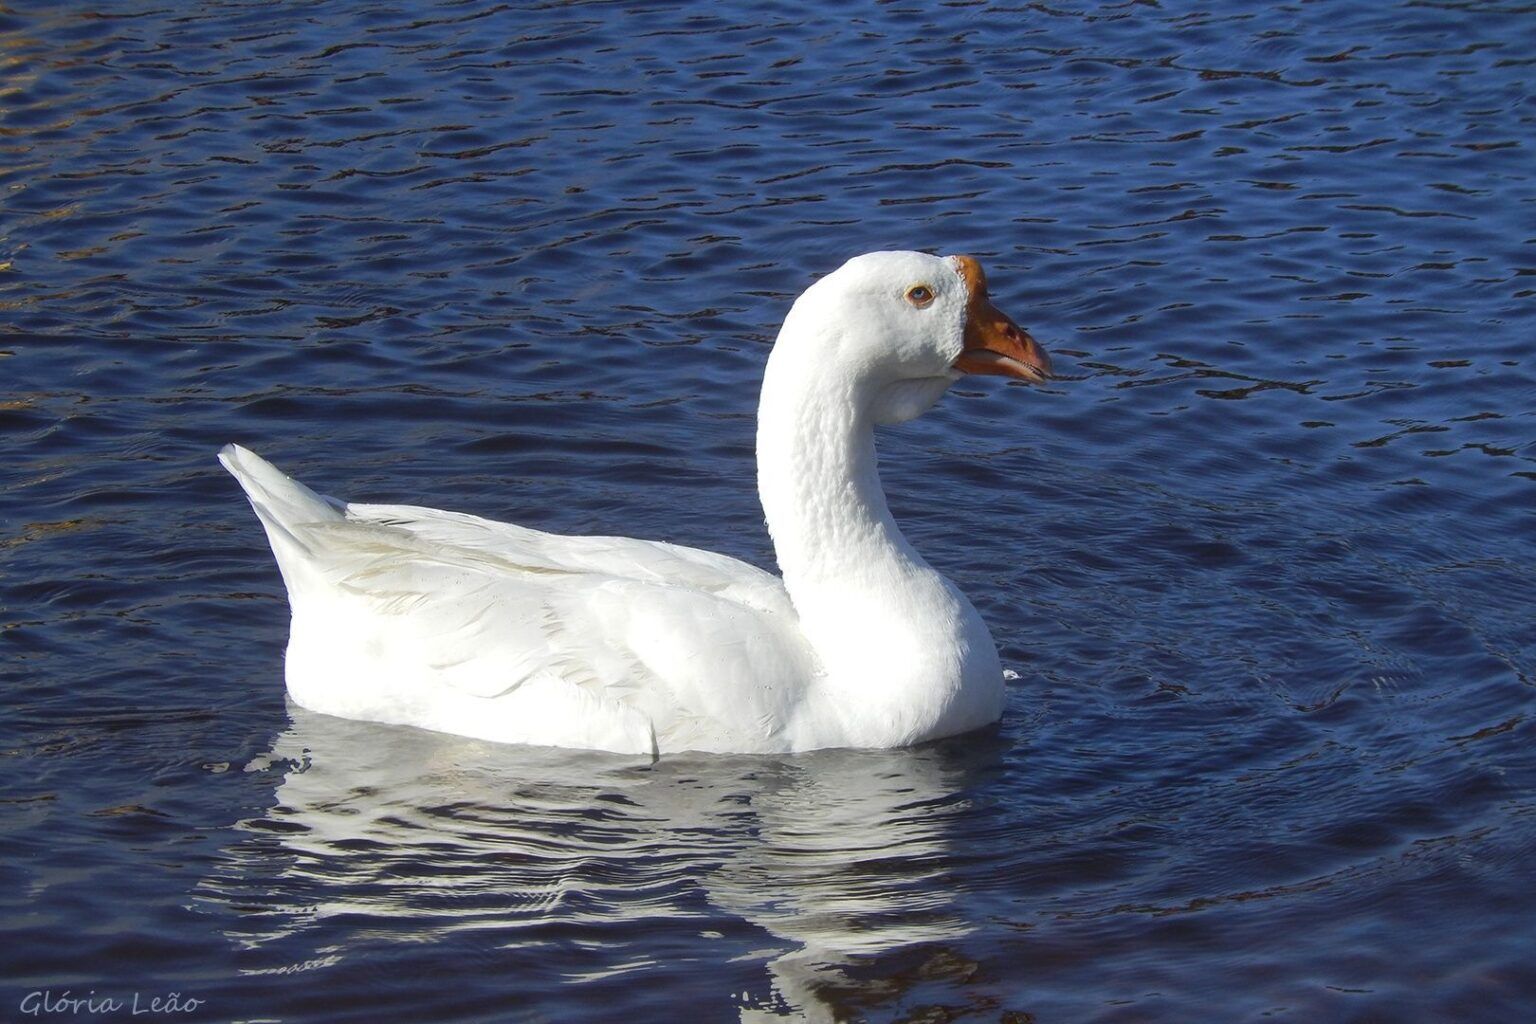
(446, 621)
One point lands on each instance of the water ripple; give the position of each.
(1260, 560)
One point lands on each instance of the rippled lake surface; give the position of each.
(1261, 559)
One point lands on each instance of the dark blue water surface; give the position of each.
(1262, 560)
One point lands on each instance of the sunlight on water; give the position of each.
(1259, 562)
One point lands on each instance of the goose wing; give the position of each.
(694, 648)
(626, 558)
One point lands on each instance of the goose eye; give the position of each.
(920, 295)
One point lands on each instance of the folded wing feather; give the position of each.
(693, 642)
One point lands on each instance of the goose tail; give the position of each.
(283, 505)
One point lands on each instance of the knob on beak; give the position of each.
(993, 342)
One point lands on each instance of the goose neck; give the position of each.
(819, 481)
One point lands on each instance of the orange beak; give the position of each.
(993, 342)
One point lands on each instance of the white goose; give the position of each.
(445, 621)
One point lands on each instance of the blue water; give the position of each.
(1262, 559)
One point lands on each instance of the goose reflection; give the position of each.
(381, 833)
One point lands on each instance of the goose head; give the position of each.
(899, 327)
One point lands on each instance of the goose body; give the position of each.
(451, 622)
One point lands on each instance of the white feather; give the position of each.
(451, 622)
